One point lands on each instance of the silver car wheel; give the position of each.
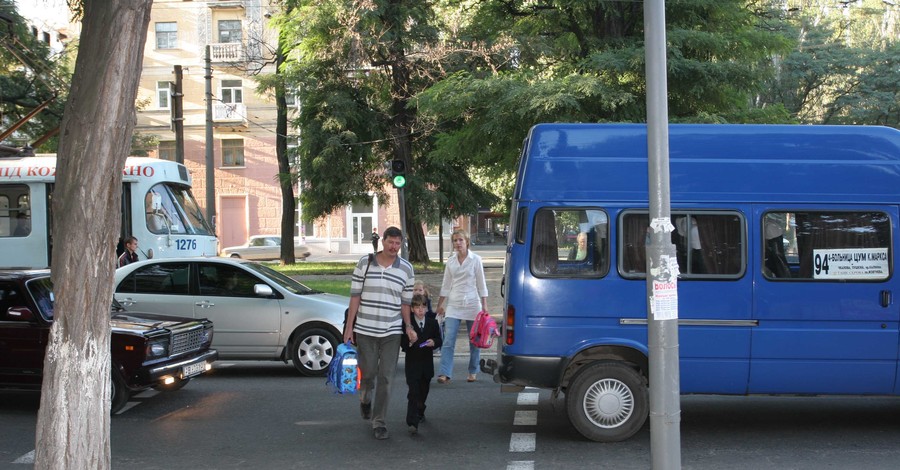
(313, 352)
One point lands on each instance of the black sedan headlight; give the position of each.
(158, 348)
(206, 336)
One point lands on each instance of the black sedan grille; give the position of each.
(187, 341)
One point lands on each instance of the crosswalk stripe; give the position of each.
(522, 442)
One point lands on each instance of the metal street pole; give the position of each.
(662, 264)
(401, 200)
(210, 162)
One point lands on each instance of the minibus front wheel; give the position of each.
(607, 401)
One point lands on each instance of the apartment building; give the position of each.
(247, 195)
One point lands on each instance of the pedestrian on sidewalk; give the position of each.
(375, 238)
(463, 294)
(419, 366)
(380, 294)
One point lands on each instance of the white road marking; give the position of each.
(528, 398)
(27, 458)
(128, 406)
(146, 393)
(522, 442)
(520, 465)
(525, 418)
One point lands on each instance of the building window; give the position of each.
(233, 152)
(229, 31)
(162, 95)
(232, 92)
(166, 150)
(167, 35)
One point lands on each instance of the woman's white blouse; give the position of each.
(463, 287)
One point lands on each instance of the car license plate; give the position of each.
(193, 369)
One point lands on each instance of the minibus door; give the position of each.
(828, 323)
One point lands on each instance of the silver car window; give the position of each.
(284, 281)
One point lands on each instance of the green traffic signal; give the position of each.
(399, 181)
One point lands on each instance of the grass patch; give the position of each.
(305, 268)
(331, 286)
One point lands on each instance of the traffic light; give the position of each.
(398, 173)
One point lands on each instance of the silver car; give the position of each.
(259, 313)
(263, 247)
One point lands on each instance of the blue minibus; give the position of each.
(785, 238)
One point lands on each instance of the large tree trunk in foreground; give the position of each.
(73, 421)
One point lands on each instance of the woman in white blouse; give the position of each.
(463, 294)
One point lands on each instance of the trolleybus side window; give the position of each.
(826, 245)
(707, 244)
(15, 213)
(570, 243)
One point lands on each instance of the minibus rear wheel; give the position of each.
(607, 401)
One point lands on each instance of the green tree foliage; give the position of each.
(357, 67)
(583, 61)
(844, 66)
(31, 75)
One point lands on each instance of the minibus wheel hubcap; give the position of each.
(608, 403)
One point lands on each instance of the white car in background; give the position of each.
(263, 247)
(259, 313)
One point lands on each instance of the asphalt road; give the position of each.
(261, 415)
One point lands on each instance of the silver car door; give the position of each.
(162, 287)
(246, 325)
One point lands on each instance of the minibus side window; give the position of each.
(521, 218)
(570, 243)
(707, 245)
(826, 246)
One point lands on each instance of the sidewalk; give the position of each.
(492, 257)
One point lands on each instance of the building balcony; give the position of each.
(229, 112)
(226, 52)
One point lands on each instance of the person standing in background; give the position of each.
(375, 238)
(130, 254)
(463, 294)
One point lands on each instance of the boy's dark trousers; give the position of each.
(420, 368)
(419, 385)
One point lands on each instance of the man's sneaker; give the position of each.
(381, 433)
(365, 409)
(413, 429)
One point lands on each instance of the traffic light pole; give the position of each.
(401, 200)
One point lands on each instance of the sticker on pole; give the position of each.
(851, 263)
(664, 304)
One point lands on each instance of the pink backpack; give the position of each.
(483, 331)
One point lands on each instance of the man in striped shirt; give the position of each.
(380, 294)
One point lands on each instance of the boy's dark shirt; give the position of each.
(421, 359)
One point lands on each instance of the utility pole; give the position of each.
(177, 106)
(210, 163)
(662, 264)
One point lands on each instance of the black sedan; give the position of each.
(148, 350)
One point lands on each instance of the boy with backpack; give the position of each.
(419, 361)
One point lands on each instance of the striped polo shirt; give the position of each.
(385, 290)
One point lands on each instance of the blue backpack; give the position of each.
(343, 372)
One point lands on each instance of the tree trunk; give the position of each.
(73, 420)
(418, 251)
(285, 181)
